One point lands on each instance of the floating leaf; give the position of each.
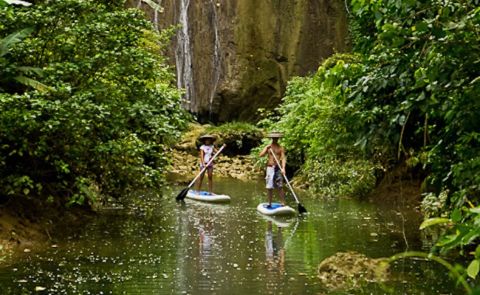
(40, 288)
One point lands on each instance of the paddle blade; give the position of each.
(181, 196)
(301, 209)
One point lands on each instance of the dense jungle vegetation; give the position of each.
(89, 107)
(88, 104)
(408, 93)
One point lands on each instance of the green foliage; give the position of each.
(463, 233)
(434, 205)
(11, 72)
(420, 93)
(320, 130)
(410, 94)
(103, 125)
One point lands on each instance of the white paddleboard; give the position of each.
(207, 197)
(276, 210)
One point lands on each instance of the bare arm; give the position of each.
(202, 156)
(284, 160)
(264, 151)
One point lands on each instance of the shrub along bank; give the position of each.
(88, 104)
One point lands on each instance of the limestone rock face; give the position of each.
(235, 56)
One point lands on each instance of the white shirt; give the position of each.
(207, 152)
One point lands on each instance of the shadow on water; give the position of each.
(158, 246)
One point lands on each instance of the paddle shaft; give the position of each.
(206, 166)
(285, 177)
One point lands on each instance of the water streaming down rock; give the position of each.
(234, 57)
(183, 57)
(216, 61)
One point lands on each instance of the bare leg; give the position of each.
(210, 180)
(270, 193)
(199, 181)
(281, 193)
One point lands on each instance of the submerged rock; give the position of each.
(349, 270)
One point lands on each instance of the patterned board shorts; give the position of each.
(273, 178)
(209, 167)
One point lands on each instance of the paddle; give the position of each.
(301, 209)
(184, 192)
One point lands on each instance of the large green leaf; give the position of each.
(32, 83)
(12, 39)
(434, 221)
(473, 268)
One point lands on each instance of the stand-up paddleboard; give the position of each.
(207, 197)
(276, 209)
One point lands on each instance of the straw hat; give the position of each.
(275, 134)
(207, 136)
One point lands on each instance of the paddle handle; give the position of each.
(285, 177)
(206, 166)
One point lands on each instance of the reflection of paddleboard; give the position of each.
(207, 197)
(278, 222)
(276, 210)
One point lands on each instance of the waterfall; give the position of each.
(216, 61)
(183, 56)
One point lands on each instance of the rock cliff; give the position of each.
(235, 56)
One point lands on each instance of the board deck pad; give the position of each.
(205, 196)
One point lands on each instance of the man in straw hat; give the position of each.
(274, 178)
(206, 153)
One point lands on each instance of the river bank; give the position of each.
(36, 228)
(238, 167)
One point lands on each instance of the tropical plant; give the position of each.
(10, 72)
(409, 94)
(111, 110)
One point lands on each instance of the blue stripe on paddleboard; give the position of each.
(274, 206)
(201, 193)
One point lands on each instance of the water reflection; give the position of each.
(274, 248)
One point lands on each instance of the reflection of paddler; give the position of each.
(205, 240)
(275, 253)
(206, 237)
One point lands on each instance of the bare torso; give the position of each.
(278, 151)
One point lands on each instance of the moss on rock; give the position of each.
(350, 270)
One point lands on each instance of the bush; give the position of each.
(103, 125)
(240, 137)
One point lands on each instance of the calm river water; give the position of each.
(157, 246)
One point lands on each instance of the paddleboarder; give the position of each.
(207, 150)
(274, 177)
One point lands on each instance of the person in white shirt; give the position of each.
(206, 153)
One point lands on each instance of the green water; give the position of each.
(156, 246)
